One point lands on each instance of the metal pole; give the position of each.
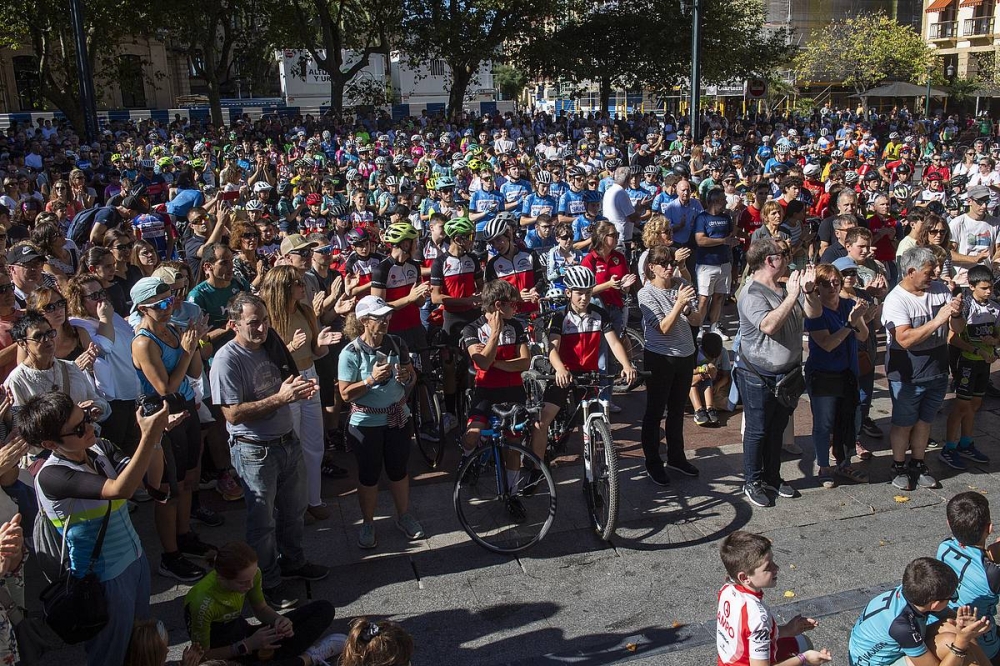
(88, 98)
(695, 70)
(927, 100)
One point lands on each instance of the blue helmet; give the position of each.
(591, 196)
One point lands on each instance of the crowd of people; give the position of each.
(187, 308)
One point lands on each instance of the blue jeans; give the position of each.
(765, 420)
(128, 601)
(274, 478)
(27, 504)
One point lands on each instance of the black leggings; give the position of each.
(310, 622)
(667, 387)
(378, 446)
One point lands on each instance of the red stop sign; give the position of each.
(756, 88)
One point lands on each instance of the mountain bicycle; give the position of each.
(496, 512)
(426, 401)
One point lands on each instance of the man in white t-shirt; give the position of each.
(974, 234)
(987, 177)
(617, 207)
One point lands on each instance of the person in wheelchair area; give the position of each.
(497, 345)
(575, 346)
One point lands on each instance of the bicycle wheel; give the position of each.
(497, 517)
(635, 345)
(429, 429)
(601, 489)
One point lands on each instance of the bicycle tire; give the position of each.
(432, 451)
(636, 351)
(601, 491)
(483, 512)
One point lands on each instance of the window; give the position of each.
(26, 82)
(130, 81)
(437, 67)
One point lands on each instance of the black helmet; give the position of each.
(284, 187)
(904, 169)
(872, 175)
(959, 181)
(682, 169)
(779, 170)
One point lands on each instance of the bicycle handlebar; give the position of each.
(586, 376)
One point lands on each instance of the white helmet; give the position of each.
(261, 186)
(579, 277)
(812, 170)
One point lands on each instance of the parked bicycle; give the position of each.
(426, 402)
(493, 508)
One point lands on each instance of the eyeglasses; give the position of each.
(384, 319)
(81, 428)
(125, 247)
(44, 337)
(54, 305)
(250, 236)
(849, 273)
(163, 304)
(326, 249)
(96, 296)
(830, 283)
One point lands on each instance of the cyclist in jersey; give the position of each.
(540, 202)
(432, 246)
(360, 264)
(521, 268)
(571, 204)
(487, 202)
(396, 279)
(213, 613)
(575, 346)
(583, 225)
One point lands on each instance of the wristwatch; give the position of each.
(241, 649)
(852, 327)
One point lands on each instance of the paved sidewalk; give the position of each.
(650, 594)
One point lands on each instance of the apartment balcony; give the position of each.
(944, 30)
(977, 27)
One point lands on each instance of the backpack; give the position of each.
(84, 221)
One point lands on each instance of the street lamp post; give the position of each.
(695, 69)
(88, 97)
(927, 99)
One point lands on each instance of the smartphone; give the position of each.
(381, 358)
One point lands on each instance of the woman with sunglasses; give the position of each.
(40, 371)
(832, 376)
(145, 258)
(968, 165)
(121, 244)
(73, 343)
(247, 264)
(935, 232)
(165, 357)
(80, 194)
(61, 194)
(62, 257)
(657, 232)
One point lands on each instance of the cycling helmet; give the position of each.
(579, 277)
(851, 178)
(445, 183)
(937, 208)
(735, 150)
(314, 199)
(474, 164)
(406, 186)
(399, 232)
(543, 177)
(496, 227)
(398, 159)
(460, 226)
(901, 191)
(147, 163)
(634, 169)
(458, 165)
(164, 162)
(682, 169)
(837, 154)
(352, 174)
(284, 187)
(391, 180)
(904, 169)
(959, 181)
(338, 210)
(953, 204)
(612, 163)
(872, 176)
(356, 236)
(591, 196)
(254, 205)
(947, 155)
(576, 172)
(197, 163)
(261, 186)
(555, 294)
(507, 217)
(456, 156)
(811, 170)
(893, 136)
(779, 170)
(651, 170)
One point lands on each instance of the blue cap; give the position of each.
(845, 263)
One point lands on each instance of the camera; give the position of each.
(151, 403)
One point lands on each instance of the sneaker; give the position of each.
(335, 440)
(870, 428)
(684, 467)
(922, 476)
(845, 471)
(207, 480)
(409, 526)
(862, 452)
(933, 443)
(430, 433)
(718, 330)
(713, 417)
(366, 537)
(973, 454)
(307, 571)
(783, 490)
(701, 417)
(901, 476)
(207, 517)
(755, 493)
(180, 568)
(792, 449)
(951, 458)
(280, 597)
(229, 487)
(319, 512)
(516, 509)
(531, 481)
(656, 474)
(825, 477)
(614, 408)
(327, 647)
(141, 495)
(191, 544)
(332, 471)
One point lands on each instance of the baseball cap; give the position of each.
(22, 254)
(974, 192)
(845, 263)
(145, 289)
(371, 306)
(294, 242)
(168, 274)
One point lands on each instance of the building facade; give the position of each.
(964, 34)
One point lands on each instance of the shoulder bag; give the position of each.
(786, 390)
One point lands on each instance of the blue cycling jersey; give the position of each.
(889, 628)
(978, 586)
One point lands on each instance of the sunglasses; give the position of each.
(44, 337)
(250, 236)
(163, 304)
(54, 305)
(305, 252)
(936, 231)
(982, 202)
(849, 273)
(125, 247)
(97, 296)
(830, 283)
(81, 428)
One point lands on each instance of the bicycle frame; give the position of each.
(494, 437)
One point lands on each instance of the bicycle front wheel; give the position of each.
(494, 510)
(429, 427)
(601, 489)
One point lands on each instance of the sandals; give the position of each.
(851, 474)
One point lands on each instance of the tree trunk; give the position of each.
(460, 78)
(605, 93)
(215, 100)
(337, 84)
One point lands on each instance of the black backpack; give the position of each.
(84, 221)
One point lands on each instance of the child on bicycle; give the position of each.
(497, 345)
(575, 346)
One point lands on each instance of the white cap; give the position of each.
(371, 306)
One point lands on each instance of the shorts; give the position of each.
(182, 449)
(326, 372)
(380, 447)
(971, 378)
(917, 402)
(714, 279)
(483, 400)
(454, 322)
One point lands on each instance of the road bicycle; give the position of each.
(493, 505)
(426, 401)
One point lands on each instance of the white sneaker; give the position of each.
(327, 648)
(717, 329)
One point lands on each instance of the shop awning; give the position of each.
(939, 5)
(970, 3)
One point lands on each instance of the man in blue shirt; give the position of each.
(715, 237)
(681, 213)
(571, 204)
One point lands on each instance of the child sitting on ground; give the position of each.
(371, 643)
(710, 380)
(973, 562)
(747, 631)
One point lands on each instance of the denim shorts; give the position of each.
(917, 402)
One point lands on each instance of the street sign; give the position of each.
(756, 88)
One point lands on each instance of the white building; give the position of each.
(429, 84)
(963, 32)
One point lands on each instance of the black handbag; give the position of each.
(786, 390)
(76, 608)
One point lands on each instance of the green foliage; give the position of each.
(509, 80)
(864, 51)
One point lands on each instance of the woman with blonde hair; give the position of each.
(658, 232)
(283, 291)
(81, 195)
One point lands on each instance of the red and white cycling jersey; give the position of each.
(397, 280)
(580, 337)
(745, 627)
(362, 267)
(456, 276)
(524, 271)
